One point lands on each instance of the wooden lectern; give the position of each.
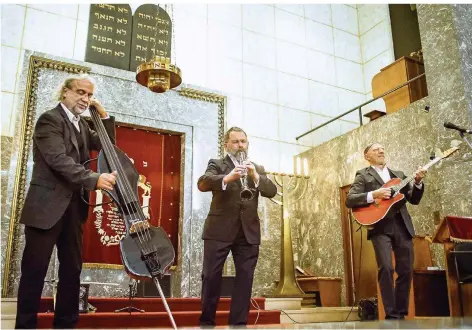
(450, 230)
(395, 74)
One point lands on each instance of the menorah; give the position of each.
(289, 186)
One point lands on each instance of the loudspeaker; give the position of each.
(83, 298)
(227, 285)
(147, 288)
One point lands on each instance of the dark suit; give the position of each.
(53, 214)
(231, 225)
(394, 232)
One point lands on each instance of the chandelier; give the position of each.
(159, 74)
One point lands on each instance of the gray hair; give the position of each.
(67, 83)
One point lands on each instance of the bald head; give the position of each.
(374, 153)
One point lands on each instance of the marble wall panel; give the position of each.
(7, 103)
(319, 13)
(319, 37)
(371, 15)
(445, 39)
(197, 121)
(294, 9)
(259, 18)
(225, 13)
(53, 28)
(333, 164)
(292, 91)
(376, 41)
(10, 58)
(259, 49)
(345, 18)
(289, 27)
(347, 73)
(412, 135)
(346, 45)
(321, 67)
(13, 20)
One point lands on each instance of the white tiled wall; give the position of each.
(284, 68)
(376, 46)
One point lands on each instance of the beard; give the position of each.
(77, 110)
(237, 153)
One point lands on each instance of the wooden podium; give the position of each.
(449, 230)
(395, 74)
(328, 288)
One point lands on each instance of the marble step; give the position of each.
(319, 314)
(8, 313)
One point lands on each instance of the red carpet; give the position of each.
(186, 312)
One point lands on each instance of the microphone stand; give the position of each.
(130, 308)
(465, 139)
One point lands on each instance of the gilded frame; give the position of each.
(215, 98)
(36, 64)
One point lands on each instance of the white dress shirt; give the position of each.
(385, 176)
(235, 162)
(75, 119)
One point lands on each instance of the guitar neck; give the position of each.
(407, 180)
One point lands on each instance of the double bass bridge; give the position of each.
(138, 226)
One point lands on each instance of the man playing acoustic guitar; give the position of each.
(393, 232)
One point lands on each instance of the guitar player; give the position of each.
(394, 232)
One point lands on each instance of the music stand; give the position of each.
(128, 309)
(451, 230)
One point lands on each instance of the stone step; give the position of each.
(319, 314)
(8, 306)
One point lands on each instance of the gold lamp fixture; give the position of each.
(159, 74)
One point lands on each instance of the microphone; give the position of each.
(457, 128)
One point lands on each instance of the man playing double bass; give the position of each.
(54, 213)
(394, 232)
(231, 225)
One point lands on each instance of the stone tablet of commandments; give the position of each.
(109, 35)
(152, 34)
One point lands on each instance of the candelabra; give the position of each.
(294, 187)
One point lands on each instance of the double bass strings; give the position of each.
(144, 236)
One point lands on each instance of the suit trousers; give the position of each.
(67, 235)
(245, 259)
(395, 298)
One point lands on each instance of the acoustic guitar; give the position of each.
(376, 211)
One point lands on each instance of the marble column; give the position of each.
(446, 37)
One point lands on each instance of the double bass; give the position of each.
(146, 250)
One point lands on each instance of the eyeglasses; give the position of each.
(83, 93)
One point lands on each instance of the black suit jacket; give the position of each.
(367, 180)
(227, 210)
(57, 172)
